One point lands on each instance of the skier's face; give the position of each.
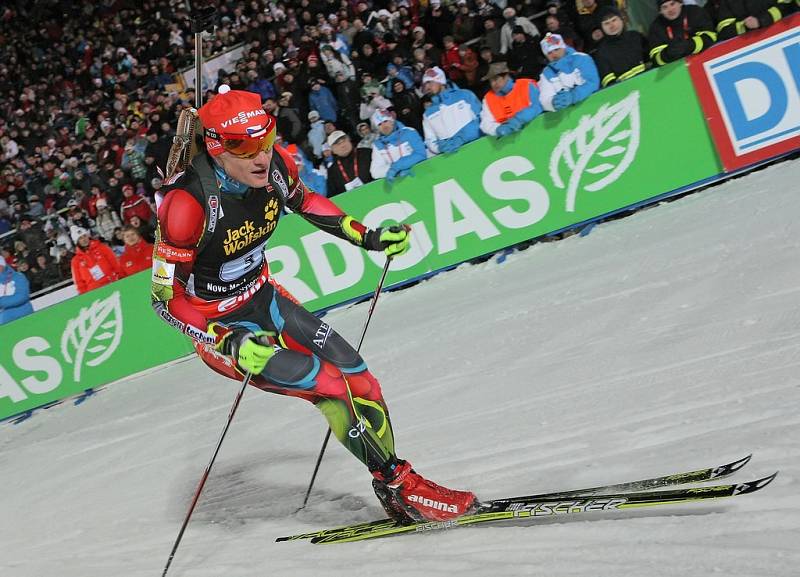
(253, 172)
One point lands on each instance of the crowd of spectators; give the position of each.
(362, 89)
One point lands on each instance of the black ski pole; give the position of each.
(203, 479)
(360, 342)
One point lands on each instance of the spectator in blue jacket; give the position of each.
(322, 100)
(260, 86)
(453, 118)
(569, 78)
(403, 73)
(396, 149)
(14, 294)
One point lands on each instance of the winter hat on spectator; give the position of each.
(379, 117)
(279, 67)
(496, 69)
(72, 203)
(126, 187)
(334, 136)
(313, 116)
(76, 232)
(235, 116)
(434, 74)
(606, 12)
(552, 42)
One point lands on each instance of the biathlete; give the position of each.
(211, 281)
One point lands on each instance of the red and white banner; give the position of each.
(749, 88)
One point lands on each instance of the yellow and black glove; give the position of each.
(250, 350)
(393, 240)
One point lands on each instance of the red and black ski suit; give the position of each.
(209, 266)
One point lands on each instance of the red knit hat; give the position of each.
(235, 115)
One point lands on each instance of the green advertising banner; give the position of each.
(84, 342)
(628, 143)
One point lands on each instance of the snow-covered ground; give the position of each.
(665, 341)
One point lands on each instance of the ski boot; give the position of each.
(408, 497)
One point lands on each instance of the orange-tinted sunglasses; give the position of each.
(245, 147)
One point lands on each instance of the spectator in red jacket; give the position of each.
(451, 60)
(91, 204)
(94, 264)
(138, 255)
(134, 203)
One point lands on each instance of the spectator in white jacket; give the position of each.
(316, 135)
(396, 149)
(453, 118)
(336, 62)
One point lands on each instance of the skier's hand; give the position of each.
(394, 240)
(251, 350)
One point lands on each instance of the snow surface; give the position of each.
(664, 341)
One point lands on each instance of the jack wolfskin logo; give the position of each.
(271, 209)
(93, 336)
(431, 504)
(598, 151)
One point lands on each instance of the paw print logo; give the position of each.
(271, 210)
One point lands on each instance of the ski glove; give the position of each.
(562, 99)
(251, 350)
(394, 240)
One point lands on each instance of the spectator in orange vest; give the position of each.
(134, 204)
(138, 255)
(510, 104)
(94, 264)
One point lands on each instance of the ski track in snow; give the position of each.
(666, 341)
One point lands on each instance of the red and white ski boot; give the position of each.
(409, 497)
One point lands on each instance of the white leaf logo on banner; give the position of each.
(93, 336)
(599, 150)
